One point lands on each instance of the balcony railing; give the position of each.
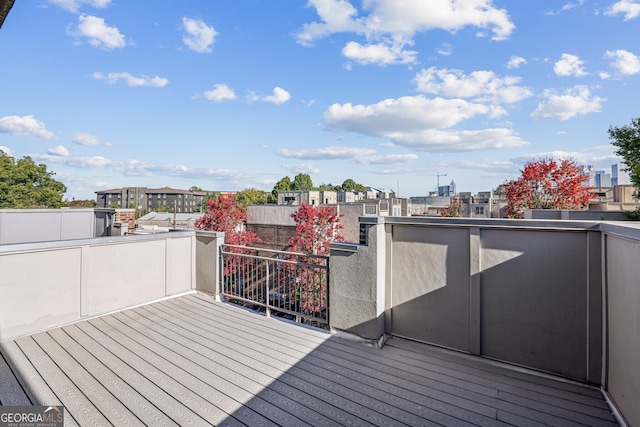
(284, 284)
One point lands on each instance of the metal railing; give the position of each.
(284, 284)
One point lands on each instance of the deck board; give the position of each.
(11, 393)
(193, 361)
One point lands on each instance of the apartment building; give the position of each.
(151, 199)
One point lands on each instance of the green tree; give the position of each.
(195, 188)
(88, 203)
(627, 140)
(350, 185)
(302, 182)
(283, 185)
(164, 209)
(326, 187)
(23, 184)
(250, 196)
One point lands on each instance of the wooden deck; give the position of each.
(193, 361)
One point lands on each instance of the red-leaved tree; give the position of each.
(225, 215)
(316, 228)
(547, 184)
(453, 209)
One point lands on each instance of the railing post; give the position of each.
(266, 285)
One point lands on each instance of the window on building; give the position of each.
(479, 210)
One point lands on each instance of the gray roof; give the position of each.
(166, 216)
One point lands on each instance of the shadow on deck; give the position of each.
(193, 361)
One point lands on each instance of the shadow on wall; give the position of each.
(523, 297)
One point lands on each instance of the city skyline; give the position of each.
(231, 95)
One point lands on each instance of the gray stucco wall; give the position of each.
(622, 349)
(430, 285)
(350, 220)
(207, 261)
(522, 292)
(557, 296)
(356, 280)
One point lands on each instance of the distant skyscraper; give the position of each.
(618, 175)
(447, 190)
(596, 178)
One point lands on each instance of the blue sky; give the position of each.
(228, 95)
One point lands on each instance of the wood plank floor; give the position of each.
(193, 361)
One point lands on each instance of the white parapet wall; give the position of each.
(44, 285)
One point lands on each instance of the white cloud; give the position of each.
(480, 85)
(490, 165)
(516, 62)
(565, 7)
(379, 53)
(220, 92)
(415, 122)
(386, 159)
(394, 23)
(24, 125)
(573, 102)
(76, 162)
(569, 65)
(74, 5)
(132, 80)
(59, 151)
(100, 35)
(570, 6)
(336, 16)
(408, 113)
(6, 150)
(624, 61)
(133, 167)
(445, 49)
(589, 156)
(307, 168)
(630, 9)
(363, 156)
(434, 140)
(88, 140)
(325, 153)
(199, 36)
(389, 18)
(280, 96)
